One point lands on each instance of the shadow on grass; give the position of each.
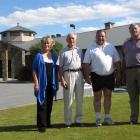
(121, 123)
(91, 125)
(125, 123)
(74, 125)
(18, 128)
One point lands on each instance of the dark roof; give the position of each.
(17, 29)
(26, 45)
(8, 45)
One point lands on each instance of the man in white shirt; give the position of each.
(71, 77)
(100, 62)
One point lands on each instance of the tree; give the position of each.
(57, 47)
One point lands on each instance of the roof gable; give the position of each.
(18, 29)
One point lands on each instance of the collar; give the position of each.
(72, 48)
(102, 46)
(132, 39)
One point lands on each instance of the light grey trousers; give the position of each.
(75, 90)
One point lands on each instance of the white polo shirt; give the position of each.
(101, 59)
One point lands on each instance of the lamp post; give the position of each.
(72, 26)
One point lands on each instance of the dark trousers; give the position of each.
(133, 87)
(44, 110)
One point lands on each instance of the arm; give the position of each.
(36, 84)
(87, 66)
(87, 71)
(57, 77)
(62, 79)
(123, 67)
(117, 66)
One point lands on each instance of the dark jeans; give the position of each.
(44, 110)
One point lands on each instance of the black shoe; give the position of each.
(42, 130)
(133, 122)
(49, 126)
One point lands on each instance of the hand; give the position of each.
(88, 80)
(36, 86)
(117, 79)
(64, 84)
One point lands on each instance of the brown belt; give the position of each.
(132, 67)
(73, 70)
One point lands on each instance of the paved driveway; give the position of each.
(13, 94)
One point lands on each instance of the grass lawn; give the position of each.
(20, 123)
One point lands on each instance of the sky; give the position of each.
(51, 17)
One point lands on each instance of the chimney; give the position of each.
(17, 23)
(109, 25)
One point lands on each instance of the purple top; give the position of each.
(132, 52)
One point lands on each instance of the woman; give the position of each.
(45, 82)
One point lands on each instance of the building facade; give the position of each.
(12, 50)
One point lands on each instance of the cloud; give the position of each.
(18, 8)
(127, 20)
(71, 13)
(133, 4)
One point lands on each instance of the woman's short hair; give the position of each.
(47, 39)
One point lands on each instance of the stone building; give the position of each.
(14, 44)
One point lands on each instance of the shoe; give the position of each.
(67, 126)
(79, 124)
(108, 121)
(133, 122)
(42, 130)
(98, 122)
(49, 126)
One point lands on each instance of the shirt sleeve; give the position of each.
(61, 60)
(82, 56)
(116, 56)
(87, 58)
(57, 62)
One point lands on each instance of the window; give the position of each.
(14, 34)
(27, 34)
(4, 35)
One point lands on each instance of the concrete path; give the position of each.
(13, 93)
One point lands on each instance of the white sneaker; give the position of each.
(67, 126)
(108, 121)
(98, 122)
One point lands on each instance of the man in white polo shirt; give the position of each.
(100, 61)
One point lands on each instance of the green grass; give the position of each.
(20, 123)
